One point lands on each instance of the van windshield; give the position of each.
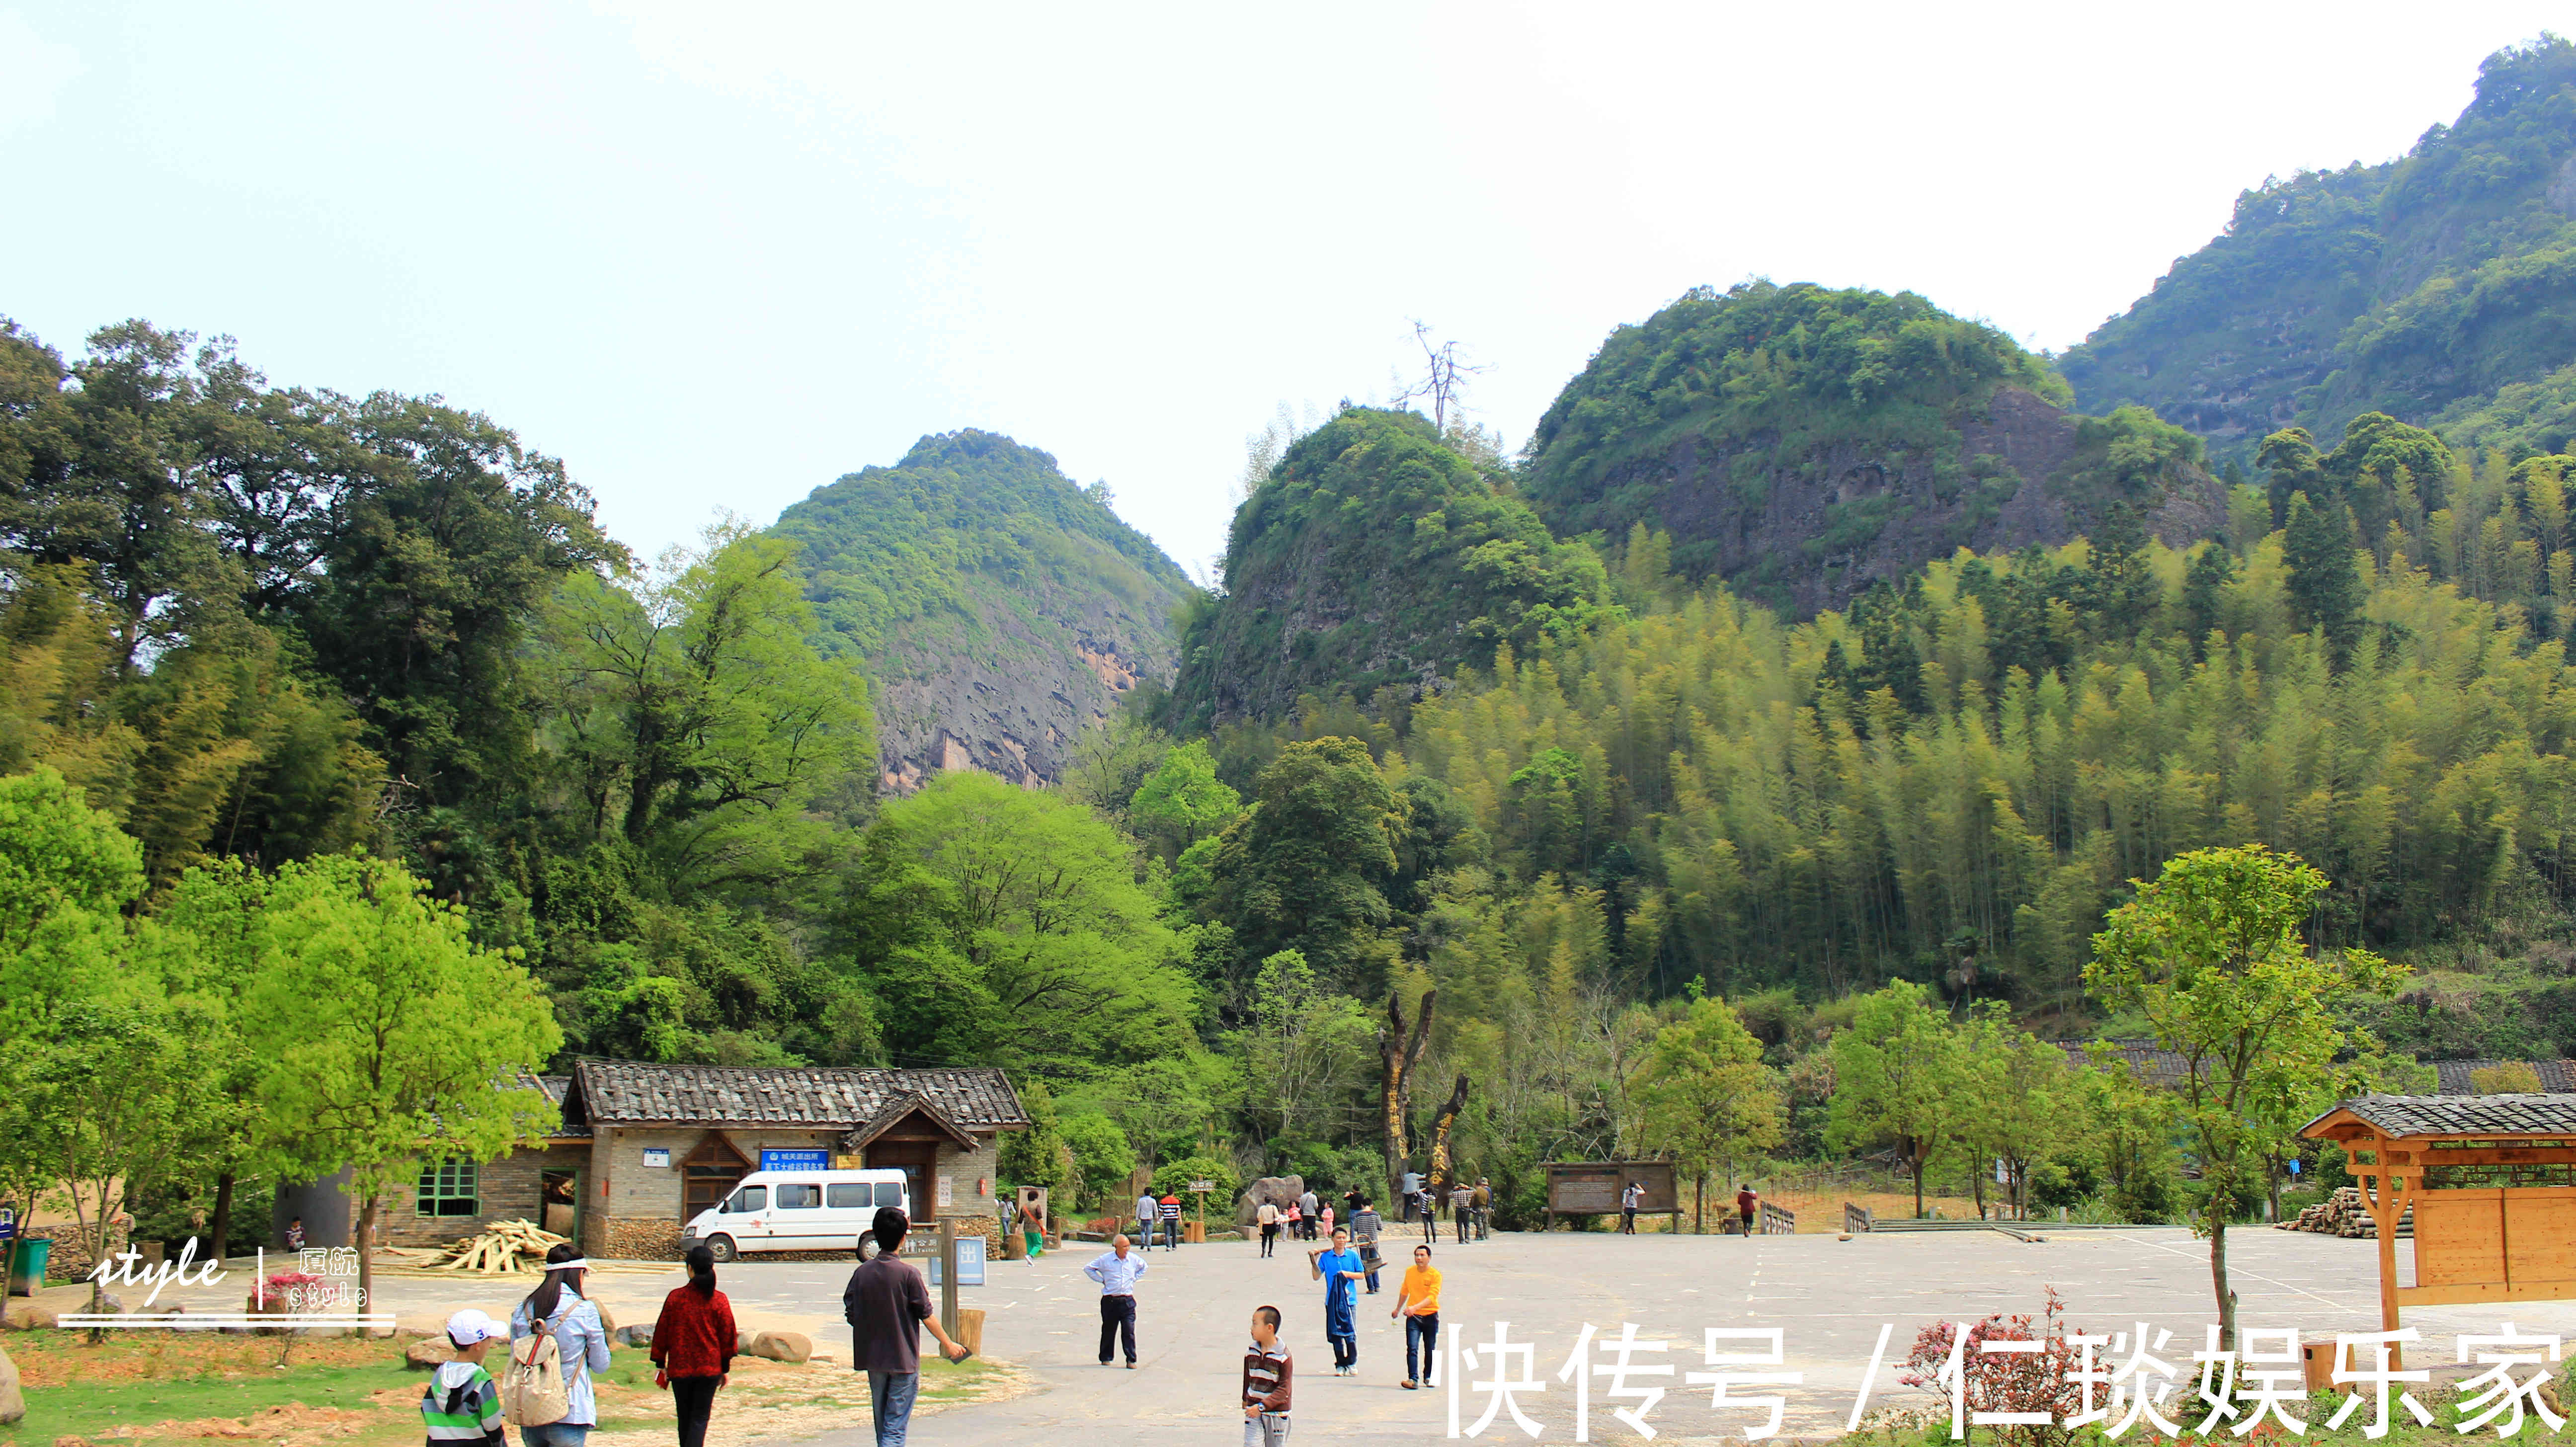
(749, 1198)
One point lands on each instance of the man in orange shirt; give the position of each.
(1418, 1302)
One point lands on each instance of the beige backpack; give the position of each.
(532, 1385)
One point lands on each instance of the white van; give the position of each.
(796, 1211)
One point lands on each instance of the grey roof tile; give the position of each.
(2412, 1115)
(628, 1092)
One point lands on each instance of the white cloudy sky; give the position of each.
(716, 255)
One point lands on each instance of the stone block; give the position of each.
(429, 1352)
(13, 1403)
(782, 1346)
(635, 1336)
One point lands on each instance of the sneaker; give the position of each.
(1408, 1384)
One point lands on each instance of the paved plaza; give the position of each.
(1831, 1297)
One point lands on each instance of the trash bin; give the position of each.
(27, 1268)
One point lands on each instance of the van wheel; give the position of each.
(721, 1248)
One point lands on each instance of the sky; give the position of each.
(716, 256)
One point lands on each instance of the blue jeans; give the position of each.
(556, 1434)
(890, 1397)
(1425, 1332)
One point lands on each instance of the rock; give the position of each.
(1277, 1190)
(782, 1346)
(742, 1339)
(13, 1403)
(429, 1351)
(1846, 1236)
(635, 1336)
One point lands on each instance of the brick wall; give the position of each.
(508, 1189)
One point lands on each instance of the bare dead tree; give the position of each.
(1443, 382)
(1444, 1172)
(1397, 1051)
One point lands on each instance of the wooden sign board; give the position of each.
(1592, 1188)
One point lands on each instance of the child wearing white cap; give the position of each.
(463, 1403)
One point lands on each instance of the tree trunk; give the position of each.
(222, 1225)
(1441, 1169)
(1397, 1052)
(1977, 1187)
(1915, 1159)
(2218, 1279)
(1699, 1204)
(367, 1256)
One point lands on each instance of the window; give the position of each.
(799, 1197)
(847, 1196)
(445, 1189)
(889, 1193)
(749, 1198)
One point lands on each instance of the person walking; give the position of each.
(693, 1342)
(1461, 1201)
(887, 1303)
(1032, 1228)
(1365, 1226)
(1148, 1211)
(1307, 1207)
(1171, 1211)
(1267, 1377)
(1748, 1207)
(462, 1404)
(1340, 1269)
(1417, 1300)
(1268, 1215)
(1629, 1199)
(1325, 1221)
(1292, 1218)
(1117, 1269)
(556, 1308)
(1484, 1206)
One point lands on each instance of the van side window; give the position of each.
(749, 1198)
(846, 1195)
(889, 1193)
(799, 1197)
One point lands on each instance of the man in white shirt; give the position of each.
(1145, 1212)
(1116, 1269)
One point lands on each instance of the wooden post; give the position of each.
(948, 1278)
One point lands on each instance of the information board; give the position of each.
(774, 1160)
(1590, 1188)
(970, 1261)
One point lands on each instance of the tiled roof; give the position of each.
(627, 1092)
(2149, 1063)
(2413, 1115)
(897, 1107)
(2558, 1077)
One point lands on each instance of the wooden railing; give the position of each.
(1778, 1222)
(1856, 1218)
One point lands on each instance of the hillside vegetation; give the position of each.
(2439, 288)
(1001, 608)
(1800, 442)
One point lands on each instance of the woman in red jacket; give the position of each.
(693, 1343)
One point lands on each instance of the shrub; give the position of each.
(2007, 1381)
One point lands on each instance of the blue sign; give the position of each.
(970, 1262)
(795, 1160)
(2294, 1166)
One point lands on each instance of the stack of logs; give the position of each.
(2343, 1214)
(502, 1246)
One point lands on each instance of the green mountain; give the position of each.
(1000, 607)
(1375, 555)
(2439, 288)
(1801, 442)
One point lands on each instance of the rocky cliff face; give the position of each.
(1808, 535)
(1000, 608)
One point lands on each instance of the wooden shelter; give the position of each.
(2492, 1180)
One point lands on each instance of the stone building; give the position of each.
(644, 1147)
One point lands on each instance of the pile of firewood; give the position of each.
(2343, 1214)
(502, 1246)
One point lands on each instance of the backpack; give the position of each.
(532, 1385)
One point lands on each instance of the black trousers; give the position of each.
(1117, 1320)
(1269, 1239)
(695, 1397)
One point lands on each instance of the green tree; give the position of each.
(2210, 953)
(1006, 924)
(2325, 585)
(1706, 1097)
(1039, 1156)
(2012, 1103)
(1101, 1156)
(1896, 1079)
(1306, 868)
(1183, 801)
(385, 1035)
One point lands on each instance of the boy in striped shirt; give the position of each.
(462, 1403)
(1266, 1376)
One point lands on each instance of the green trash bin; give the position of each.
(27, 1267)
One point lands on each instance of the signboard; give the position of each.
(657, 1158)
(773, 1160)
(947, 1192)
(970, 1261)
(1202, 1185)
(1587, 1188)
(8, 1223)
